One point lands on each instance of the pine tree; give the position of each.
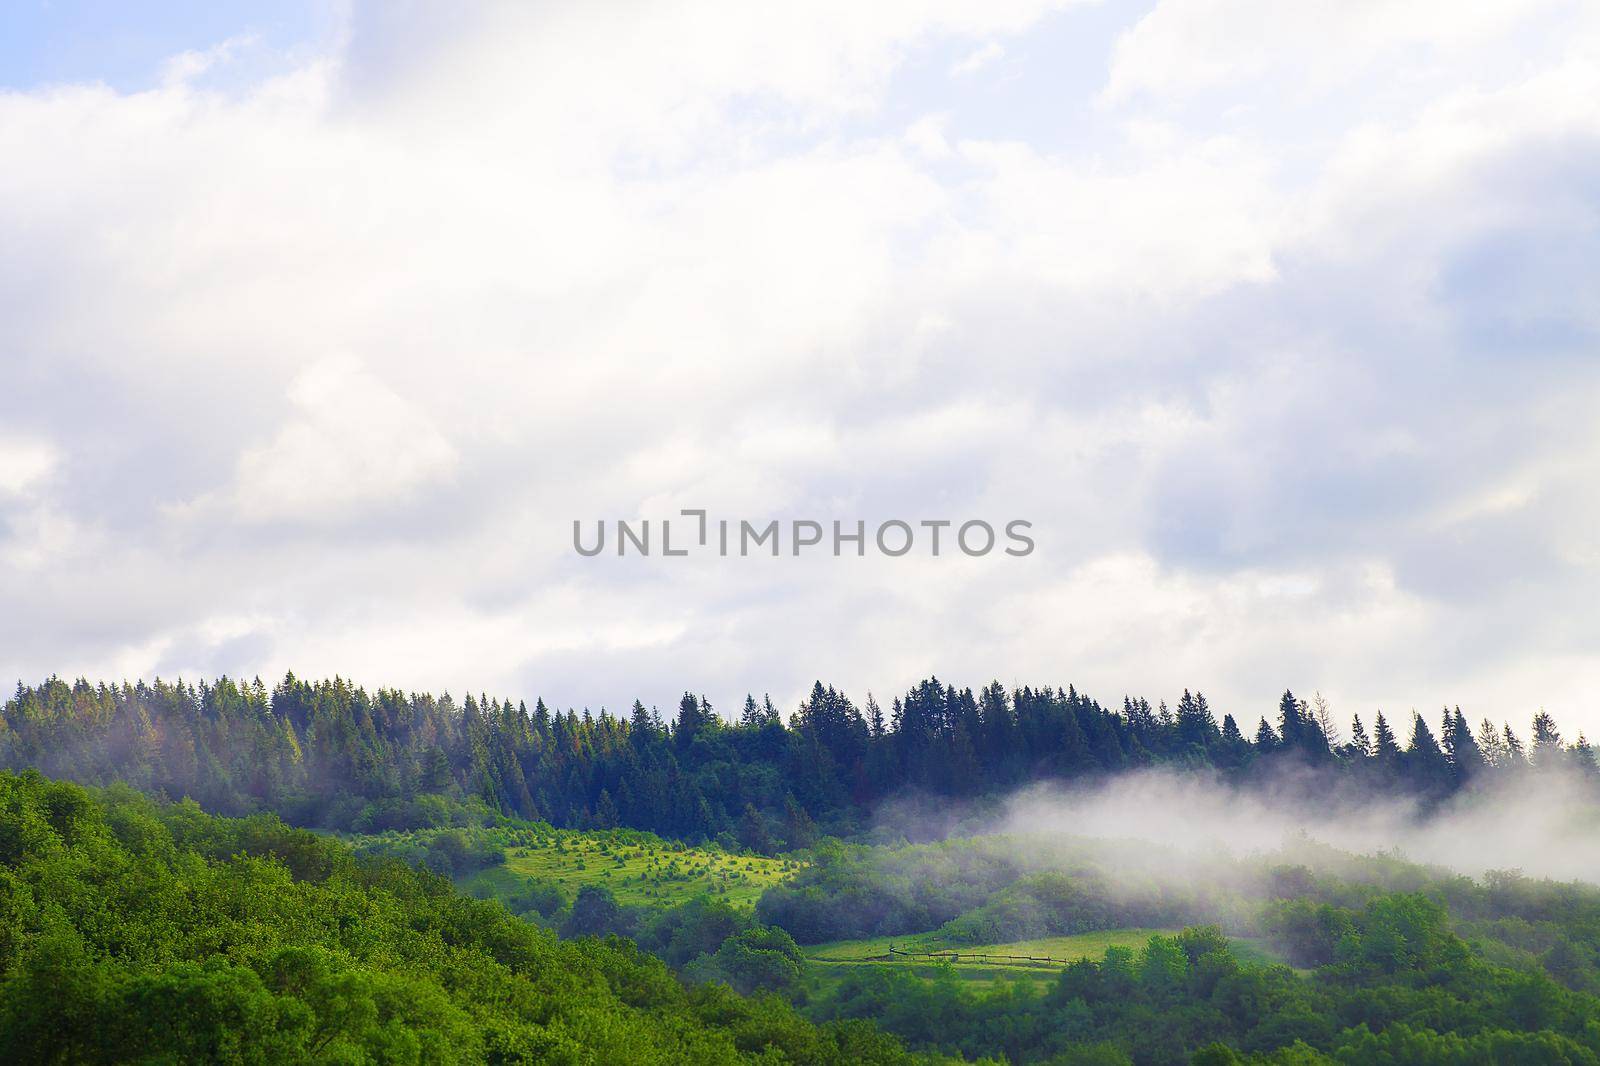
(1207, 720)
(1298, 728)
(605, 811)
(1323, 714)
(1582, 755)
(1266, 739)
(641, 727)
(874, 717)
(694, 715)
(798, 829)
(1142, 721)
(1384, 746)
(1360, 746)
(1546, 741)
(1464, 752)
(1515, 753)
(1425, 760)
(1195, 724)
(1312, 739)
(1291, 727)
(1491, 743)
(753, 832)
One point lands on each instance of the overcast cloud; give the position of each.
(1278, 321)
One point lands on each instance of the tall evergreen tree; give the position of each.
(1426, 763)
(1360, 746)
(1291, 726)
(1546, 741)
(874, 718)
(1582, 754)
(1384, 746)
(1322, 714)
(1515, 754)
(1491, 743)
(1464, 751)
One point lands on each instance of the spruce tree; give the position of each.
(1291, 727)
(1582, 754)
(641, 727)
(874, 717)
(1491, 743)
(1208, 721)
(1191, 727)
(1384, 746)
(1360, 746)
(1322, 713)
(1425, 761)
(1313, 741)
(1546, 741)
(1515, 753)
(1464, 751)
(753, 832)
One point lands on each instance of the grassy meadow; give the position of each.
(639, 868)
(643, 870)
(834, 960)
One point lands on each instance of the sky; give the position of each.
(321, 323)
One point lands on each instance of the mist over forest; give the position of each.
(1020, 876)
(332, 754)
(1165, 358)
(1543, 824)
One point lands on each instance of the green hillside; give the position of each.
(136, 931)
(641, 869)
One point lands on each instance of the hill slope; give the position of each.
(136, 931)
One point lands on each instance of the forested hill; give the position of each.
(138, 932)
(331, 754)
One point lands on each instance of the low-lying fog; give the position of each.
(1545, 825)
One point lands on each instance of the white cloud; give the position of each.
(25, 464)
(1169, 223)
(1183, 47)
(187, 66)
(1280, 346)
(352, 444)
(927, 137)
(977, 60)
(39, 536)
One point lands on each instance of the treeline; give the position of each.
(331, 754)
(136, 932)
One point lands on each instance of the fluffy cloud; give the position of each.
(353, 444)
(24, 464)
(1281, 334)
